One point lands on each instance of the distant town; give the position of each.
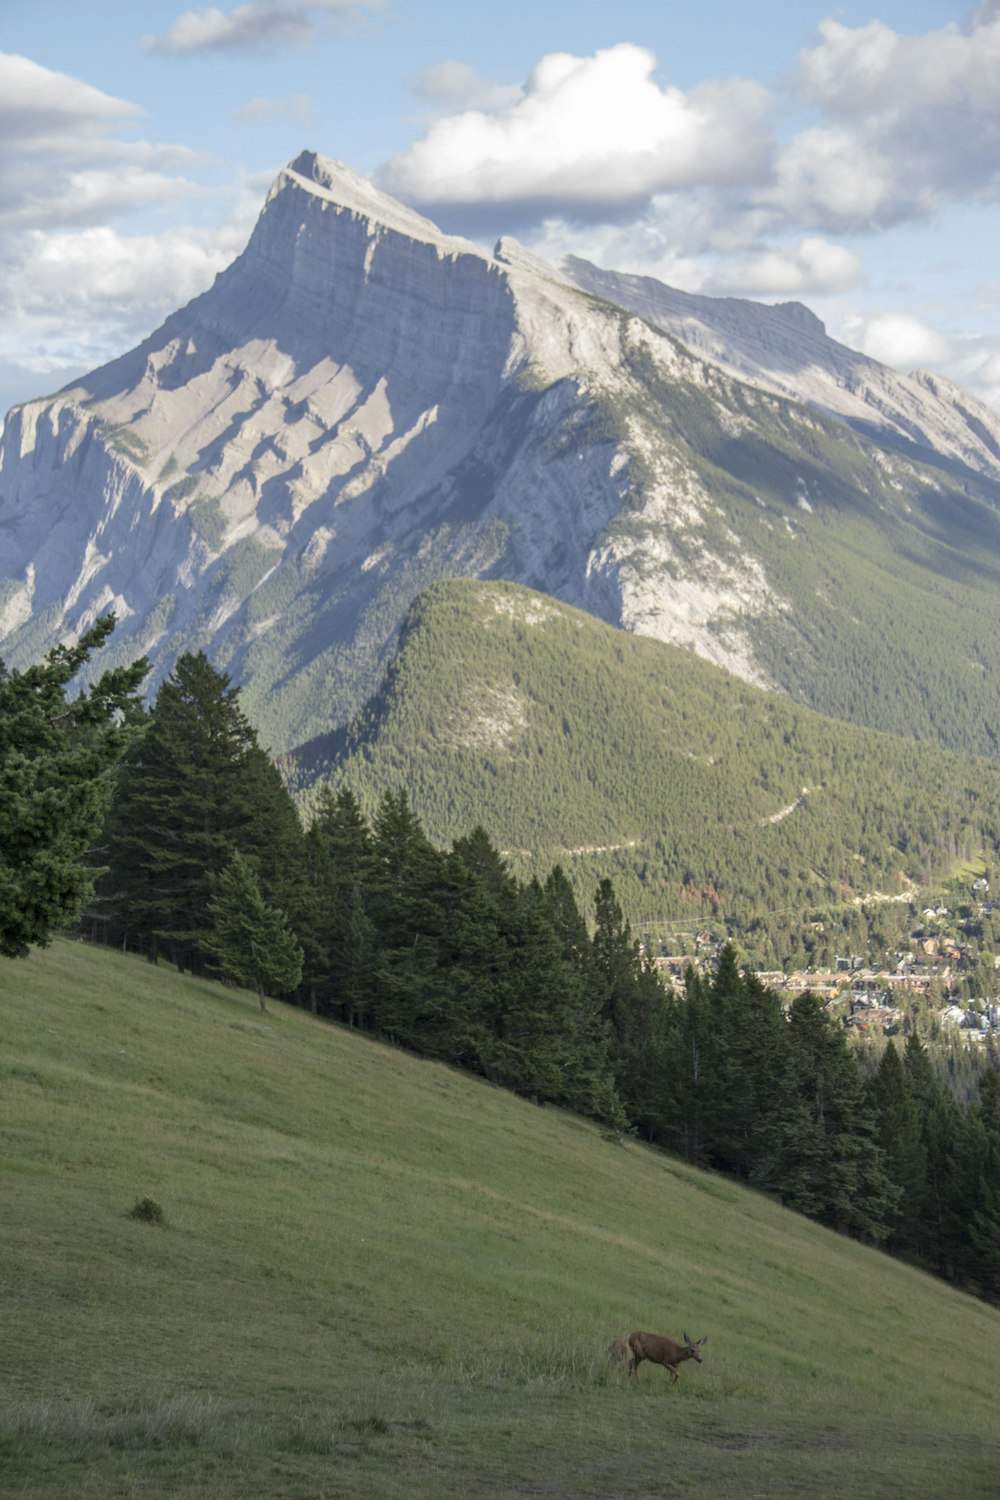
(931, 979)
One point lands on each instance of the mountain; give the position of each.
(786, 349)
(361, 405)
(704, 798)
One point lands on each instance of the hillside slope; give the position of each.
(377, 1275)
(701, 796)
(362, 405)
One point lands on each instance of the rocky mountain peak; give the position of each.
(333, 183)
(362, 404)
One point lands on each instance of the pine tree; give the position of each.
(405, 906)
(197, 788)
(332, 918)
(834, 1169)
(58, 761)
(899, 1135)
(626, 992)
(353, 955)
(747, 1073)
(251, 941)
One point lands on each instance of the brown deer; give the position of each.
(619, 1353)
(661, 1351)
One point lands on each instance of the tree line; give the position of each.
(202, 860)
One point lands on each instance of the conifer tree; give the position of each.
(337, 933)
(406, 910)
(196, 788)
(626, 991)
(899, 1135)
(58, 761)
(251, 941)
(834, 1172)
(747, 1069)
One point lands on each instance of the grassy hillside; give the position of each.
(377, 1276)
(611, 754)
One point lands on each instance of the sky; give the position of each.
(845, 156)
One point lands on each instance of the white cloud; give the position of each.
(259, 23)
(590, 134)
(75, 289)
(812, 266)
(297, 107)
(37, 103)
(976, 366)
(909, 122)
(903, 341)
(80, 297)
(454, 85)
(59, 162)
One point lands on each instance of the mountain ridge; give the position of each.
(785, 348)
(361, 405)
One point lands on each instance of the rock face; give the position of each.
(786, 349)
(361, 405)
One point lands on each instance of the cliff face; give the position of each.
(361, 405)
(786, 349)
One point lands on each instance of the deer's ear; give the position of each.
(703, 1342)
(687, 1338)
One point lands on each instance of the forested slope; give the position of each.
(702, 797)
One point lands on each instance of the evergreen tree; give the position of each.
(627, 994)
(474, 952)
(353, 955)
(406, 908)
(984, 1219)
(58, 761)
(834, 1171)
(196, 789)
(748, 1069)
(899, 1135)
(590, 1074)
(549, 1041)
(337, 932)
(251, 941)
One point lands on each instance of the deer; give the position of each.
(661, 1351)
(619, 1353)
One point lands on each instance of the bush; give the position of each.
(147, 1210)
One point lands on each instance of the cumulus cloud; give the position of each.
(79, 297)
(903, 341)
(38, 104)
(812, 266)
(451, 85)
(257, 24)
(976, 366)
(908, 122)
(60, 163)
(901, 124)
(591, 134)
(74, 288)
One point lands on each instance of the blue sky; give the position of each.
(846, 156)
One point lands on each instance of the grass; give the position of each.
(376, 1275)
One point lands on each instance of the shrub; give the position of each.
(147, 1210)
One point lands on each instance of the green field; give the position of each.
(377, 1276)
